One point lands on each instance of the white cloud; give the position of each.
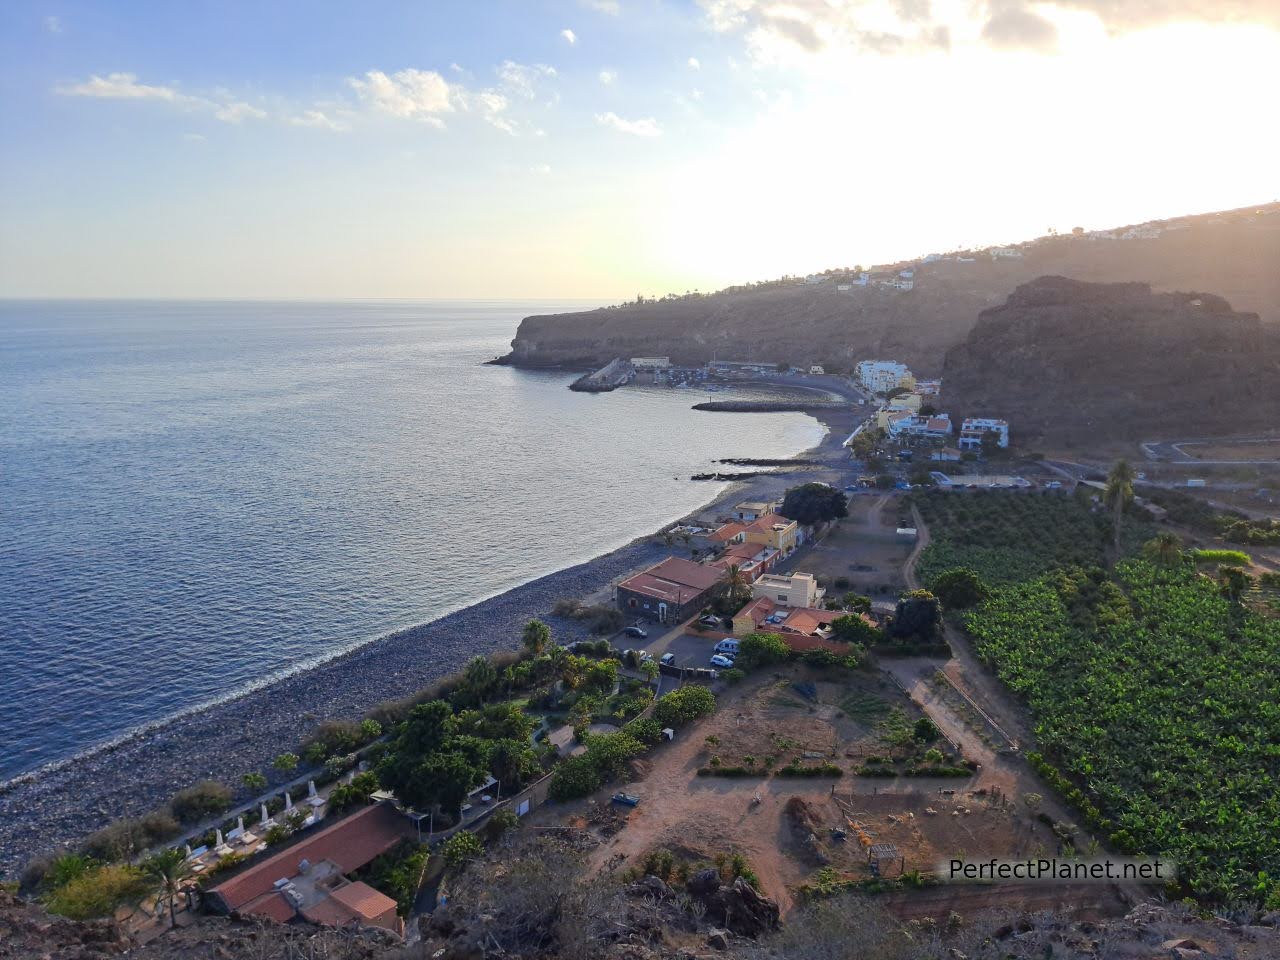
(125, 86)
(608, 76)
(121, 86)
(611, 7)
(647, 127)
(319, 120)
(53, 24)
(522, 79)
(412, 94)
(695, 64)
(542, 168)
(194, 137)
(569, 35)
(236, 111)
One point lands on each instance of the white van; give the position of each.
(728, 645)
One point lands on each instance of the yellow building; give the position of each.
(774, 530)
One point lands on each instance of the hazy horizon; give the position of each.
(595, 149)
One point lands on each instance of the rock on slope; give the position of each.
(1071, 362)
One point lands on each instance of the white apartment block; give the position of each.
(881, 376)
(973, 429)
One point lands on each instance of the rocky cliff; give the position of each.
(1236, 254)
(1072, 363)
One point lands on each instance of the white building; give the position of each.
(973, 429)
(817, 370)
(796, 590)
(1005, 253)
(933, 428)
(815, 278)
(928, 388)
(651, 363)
(881, 376)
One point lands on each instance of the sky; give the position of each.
(601, 148)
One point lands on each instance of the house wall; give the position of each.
(635, 604)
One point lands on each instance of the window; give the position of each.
(632, 602)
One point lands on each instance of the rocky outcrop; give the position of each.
(1076, 363)
(739, 906)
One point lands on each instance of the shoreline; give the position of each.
(60, 803)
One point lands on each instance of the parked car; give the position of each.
(721, 661)
(635, 632)
(668, 659)
(728, 647)
(645, 655)
(715, 623)
(629, 799)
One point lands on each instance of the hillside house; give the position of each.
(308, 879)
(972, 430)
(669, 591)
(762, 615)
(928, 388)
(1006, 253)
(930, 428)
(881, 376)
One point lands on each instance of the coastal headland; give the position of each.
(48, 809)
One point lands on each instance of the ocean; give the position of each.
(196, 497)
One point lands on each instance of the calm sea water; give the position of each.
(197, 496)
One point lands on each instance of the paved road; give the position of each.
(1171, 451)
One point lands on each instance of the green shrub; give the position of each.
(97, 892)
(254, 782)
(683, 706)
(200, 800)
(1235, 557)
(733, 676)
(286, 762)
(647, 730)
(461, 848)
(760, 650)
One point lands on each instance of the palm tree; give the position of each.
(736, 581)
(650, 670)
(1164, 549)
(1118, 494)
(536, 636)
(168, 869)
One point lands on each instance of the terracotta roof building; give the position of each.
(669, 591)
(309, 878)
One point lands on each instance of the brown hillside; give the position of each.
(1073, 363)
(1235, 254)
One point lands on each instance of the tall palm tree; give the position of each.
(168, 869)
(1119, 493)
(1164, 549)
(736, 581)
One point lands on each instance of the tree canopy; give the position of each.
(814, 503)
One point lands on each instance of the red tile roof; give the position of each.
(362, 900)
(350, 844)
(766, 523)
(273, 906)
(757, 610)
(727, 532)
(673, 579)
(807, 619)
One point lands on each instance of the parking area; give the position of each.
(689, 647)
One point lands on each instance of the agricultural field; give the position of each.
(1007, 536)
(1160, 698)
